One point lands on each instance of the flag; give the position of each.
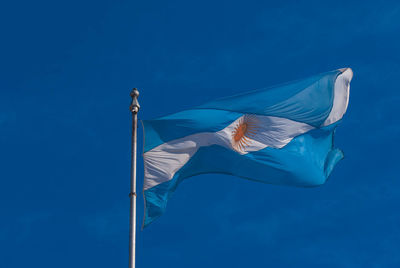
(280, 135)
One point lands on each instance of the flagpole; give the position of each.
(132, 194)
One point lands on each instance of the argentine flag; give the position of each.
(279, 135)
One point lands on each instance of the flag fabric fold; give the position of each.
(280, 135)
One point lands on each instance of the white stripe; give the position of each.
(162, 162)
(341, 97)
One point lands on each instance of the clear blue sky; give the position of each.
(67, 68)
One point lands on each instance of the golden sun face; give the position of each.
(245, 128)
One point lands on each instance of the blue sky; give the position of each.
(66, 73)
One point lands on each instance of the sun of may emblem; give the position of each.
(245, 128)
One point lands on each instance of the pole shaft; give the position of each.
(132, 195)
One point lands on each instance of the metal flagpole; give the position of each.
(132, 195)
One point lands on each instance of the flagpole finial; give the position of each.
(135, 104)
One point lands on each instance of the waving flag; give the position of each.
(280, 135)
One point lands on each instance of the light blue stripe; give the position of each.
(308, 101)
(306, 161)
